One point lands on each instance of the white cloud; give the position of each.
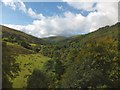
(88, 6)
(34, 15)
(19, 4)
(70, 24)
(107, 14)
(60, 7)
(10, 3)
(54, 26)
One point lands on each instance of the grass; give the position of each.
(32, 44)
(27, 64)
(14, 48)
(9, 43)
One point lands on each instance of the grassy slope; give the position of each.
(27, 60)
(27, 64)
(15, 49)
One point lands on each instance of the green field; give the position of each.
(27, 64)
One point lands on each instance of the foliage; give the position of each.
(37, 80)
(27, 64)
(82, 61)
(9, 66)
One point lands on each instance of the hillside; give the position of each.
(109, 31)
(82, 61)
(27, 64)
(88, 59)
(17, 36)
(76, 42)
(19, 62)
(55, 39)
(16, 56)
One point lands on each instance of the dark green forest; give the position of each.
(82, 61)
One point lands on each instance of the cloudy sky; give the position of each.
(65, 18)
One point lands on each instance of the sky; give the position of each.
(65, 18)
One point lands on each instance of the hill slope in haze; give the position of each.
(82, 61)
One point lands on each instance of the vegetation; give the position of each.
(27, 64)
(12, 35)
(39, 78)
(82, 61)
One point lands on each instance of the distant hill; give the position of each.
(17, 36)
(110, 31)
(55, 39)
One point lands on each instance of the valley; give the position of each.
(81, 61)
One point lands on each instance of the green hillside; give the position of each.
(13, 35)
(55, 39)
(90, 60)
(18, 63)
(82, 61)
(27, 64)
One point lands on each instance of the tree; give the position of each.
(37, 80)
(59, 68)
(55, 66)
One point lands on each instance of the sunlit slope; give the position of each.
(27, 64)
(24, 59)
